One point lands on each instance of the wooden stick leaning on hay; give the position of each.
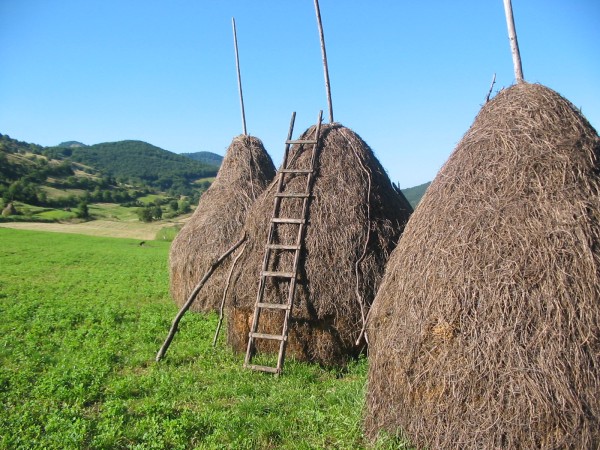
(225, 295)
(359, 297)
(193, 295)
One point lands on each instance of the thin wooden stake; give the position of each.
(514, 43)
(239, 76)
(192, 297)
(487, 97)
(325, 67)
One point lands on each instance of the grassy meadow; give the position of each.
(82, 320)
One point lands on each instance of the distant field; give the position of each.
(107, 228)
(57, 214)
(113, 220)
(54, 193)
(113, 211)
(82, 319)
(150, 198)
(209, 179)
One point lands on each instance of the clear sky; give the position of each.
(407, 76)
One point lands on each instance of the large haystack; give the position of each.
(356, 218)
(486, 330)
(217, 222)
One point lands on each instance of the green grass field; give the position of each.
(151, 198)
(54, 193)
(113, 211)
(201, 180)
(82, 320)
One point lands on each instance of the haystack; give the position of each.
(486, 330)
(9, 210)
(217, 222)
(356, 218)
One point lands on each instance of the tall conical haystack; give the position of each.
(486, 330)
(356, 218)
(217, 222)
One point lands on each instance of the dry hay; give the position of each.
(217, 222)
(9, 210)
(485, 332)
(356, 218)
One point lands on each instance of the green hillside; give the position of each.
(71, 144)
(205, 157)
(414, 194)
(138, 160)
(44, 183)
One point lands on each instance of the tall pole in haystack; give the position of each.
(514, 43)
(324, 53)
(239, 76)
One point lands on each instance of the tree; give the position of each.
(83, 211)
(145, 214)
(157, 212)
(184, 207)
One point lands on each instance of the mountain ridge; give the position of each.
(205, 157)
(135, 159)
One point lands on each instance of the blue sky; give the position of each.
(408, 77)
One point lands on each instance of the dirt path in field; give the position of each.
(133, 230)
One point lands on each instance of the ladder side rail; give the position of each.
(292, 288)
(289, 138)
(317, 139)
(286, 322)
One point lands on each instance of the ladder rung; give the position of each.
(278, 274)
(262, 368)
(292, 195)
(272, 305)
(283, 247)
(301, 141)
(273, 337)
(286, 220)
(296, 170)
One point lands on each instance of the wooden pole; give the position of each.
(192, 297)
(239, 76)
(487, 98)
(324, 53)
(514, 43)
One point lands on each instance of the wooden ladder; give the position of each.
(295, 247)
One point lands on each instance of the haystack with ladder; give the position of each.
(318, 240)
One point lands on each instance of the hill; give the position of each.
(71, 144)
(138, 160)
(414, 194)
(44, 183)
(205, 157)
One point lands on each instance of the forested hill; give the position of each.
(71, 144)
(136, 159)
(205, 157)
(414, 194)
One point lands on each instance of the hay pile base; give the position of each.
(217, 222)
(356, 218)
(486, 330)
